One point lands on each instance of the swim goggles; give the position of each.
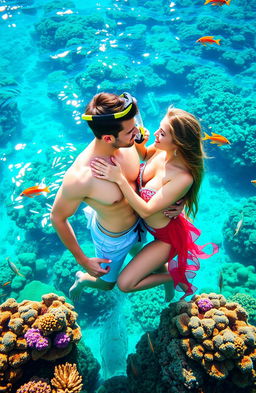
(112, 116)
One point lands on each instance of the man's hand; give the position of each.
(174, 210)
(92, 266)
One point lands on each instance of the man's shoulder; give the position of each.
(77, 180)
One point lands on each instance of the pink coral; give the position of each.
(204, 304)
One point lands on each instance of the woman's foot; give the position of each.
(77, 287)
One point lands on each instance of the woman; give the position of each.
(173, 170)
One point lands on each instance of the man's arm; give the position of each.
(65, 205)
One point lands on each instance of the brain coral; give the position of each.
(238, 278)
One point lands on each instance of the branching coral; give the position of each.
(35, 386)
(66, 379)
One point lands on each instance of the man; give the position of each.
(114, 226)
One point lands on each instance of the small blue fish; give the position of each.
(13, 267)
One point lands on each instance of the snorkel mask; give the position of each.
(129, 100)
(112, 116)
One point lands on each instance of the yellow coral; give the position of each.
(216, 370)
(198, 352)
(16, 325)
(17, 359)
(48, 323)
(66, 379)
(208, 356)
(49, 298)
(245, 364)
(77, 334)
(239, 346)
(4, 317)
(3, 361)
(182, 321)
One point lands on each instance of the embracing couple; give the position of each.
(126, 199)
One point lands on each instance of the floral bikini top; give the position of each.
(145, 193)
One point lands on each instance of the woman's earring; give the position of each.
(175, 153)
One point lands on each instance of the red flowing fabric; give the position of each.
(181, 234)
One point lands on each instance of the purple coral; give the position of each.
(204, 304)
(36, 340)
(61, 340)
(42, 343)
(32, 336)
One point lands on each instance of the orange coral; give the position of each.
(220, 339)
(17, 359)
(3, 361)
(16, 325)
(182, 321)
(48, 323)
(216, 370)
(66, 379)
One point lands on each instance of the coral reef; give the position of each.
(246, 235)
(195, 349)
(238, 278)
(10, 115)
(248, 303)
(35, 386)
(66, 379)
(146, 307)
(28, 332)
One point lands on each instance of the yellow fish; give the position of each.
(217, 139)
(253, 182)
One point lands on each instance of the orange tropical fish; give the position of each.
(218, 2)
(253, 182)
(6, 283)
(217, 139)
(208, 39)
(35, 190)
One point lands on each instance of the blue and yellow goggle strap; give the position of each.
(112, 116)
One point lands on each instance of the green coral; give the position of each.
(248, 302)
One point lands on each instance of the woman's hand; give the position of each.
(102, 170)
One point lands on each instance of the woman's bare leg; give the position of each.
(168, 286)
(138, 276)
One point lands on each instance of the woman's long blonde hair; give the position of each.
(186, 133)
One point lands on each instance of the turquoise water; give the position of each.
(54, 57)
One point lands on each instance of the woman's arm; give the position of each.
(145, 152)
(166, 196)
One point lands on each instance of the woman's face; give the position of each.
(163, 136)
